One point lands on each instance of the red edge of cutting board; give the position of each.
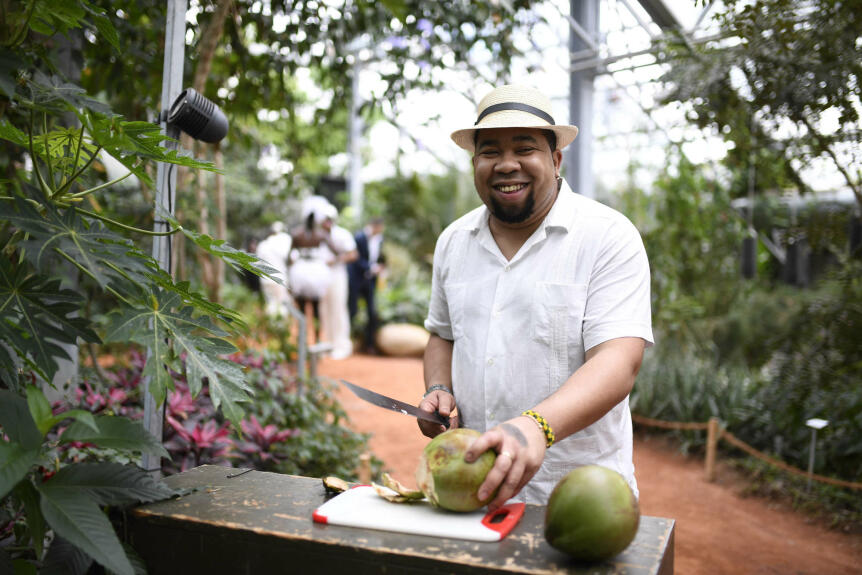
(502, 520)
(510, 513)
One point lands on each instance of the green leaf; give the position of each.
(8, 364)
(111, 483)
(64, 558)
(75, 516)
(12, 134)
(15, 461)
(16, 420)
(130, 142)
(37, 315)
(40, 408)
(237, 259)
(107, 30)
(169, 331)
(53, 93)
(27, 494)
(198, 301)
(81, 415)
(103, 255)
(117, 433)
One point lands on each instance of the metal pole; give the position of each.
(166, 179)
(355, 137)
(579, 155)
(811, 456)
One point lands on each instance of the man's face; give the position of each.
(515, 172)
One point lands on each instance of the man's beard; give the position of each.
(513, 214)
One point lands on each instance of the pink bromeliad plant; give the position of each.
(199, 443)
(261, 440)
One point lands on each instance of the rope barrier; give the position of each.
(739, 444)
(669, 424)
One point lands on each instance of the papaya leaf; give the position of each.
(27, 494)
(115, 432)
(237, 259)
(12, 134)
(63, 558)
(56, 17)
(8, 364)
(15, 461)
(166, 320)
(16, 421)
(52, 93)
(131, 141)
(97, 251)
(110, 483)
(38, 314)
(75, 516)
(198, 301)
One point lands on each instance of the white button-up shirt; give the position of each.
(521, 327)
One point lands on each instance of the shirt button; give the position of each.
(507, 268)
(491, 361)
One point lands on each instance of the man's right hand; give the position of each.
(443, 403)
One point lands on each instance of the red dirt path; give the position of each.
(717, 530)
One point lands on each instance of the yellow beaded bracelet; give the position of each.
(543, 425)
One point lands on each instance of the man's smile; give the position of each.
(510, 190)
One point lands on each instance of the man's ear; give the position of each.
(557, 156)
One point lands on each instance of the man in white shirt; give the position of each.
(539, 312)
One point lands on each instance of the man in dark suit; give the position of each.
(363, 273)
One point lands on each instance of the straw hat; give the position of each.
(515, 106)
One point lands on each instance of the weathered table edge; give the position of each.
(297, 534)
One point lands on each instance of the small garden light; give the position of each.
(198, 116)
(814, 424)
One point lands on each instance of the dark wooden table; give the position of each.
(261, 523)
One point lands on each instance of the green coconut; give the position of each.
(446, 479)
(592, 514)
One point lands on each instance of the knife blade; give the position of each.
(394, 404)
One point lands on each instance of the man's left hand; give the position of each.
(520, 447)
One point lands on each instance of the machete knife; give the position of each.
(394, 404)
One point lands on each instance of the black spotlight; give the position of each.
(197, 116)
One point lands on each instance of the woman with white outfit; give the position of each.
(310, 272)
(334, 316)
(275, 250)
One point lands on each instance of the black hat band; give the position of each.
(516, 106)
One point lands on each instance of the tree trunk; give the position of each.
(212, 268)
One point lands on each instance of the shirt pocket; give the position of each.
(557, 313)
(556, 324)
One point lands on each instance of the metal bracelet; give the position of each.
(438, 387)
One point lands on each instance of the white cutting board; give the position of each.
(362, 507)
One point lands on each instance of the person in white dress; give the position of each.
(310, 272)
(334, 315)
(275, 250)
